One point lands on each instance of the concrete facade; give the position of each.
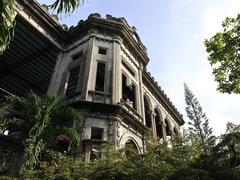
(101, 69)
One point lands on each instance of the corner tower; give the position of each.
(102, 72)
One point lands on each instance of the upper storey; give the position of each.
(62, 36)
(112, 26)
(82, 68)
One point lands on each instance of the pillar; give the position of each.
(116, 72)
(141, 99)
(164, 134)
(154, 124)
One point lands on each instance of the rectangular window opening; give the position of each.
(100, 77)
(102, 51)
(72, 82)
(97, 133)
(128, 92)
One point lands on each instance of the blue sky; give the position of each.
(174, 32)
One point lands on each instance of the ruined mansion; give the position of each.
(99, 66)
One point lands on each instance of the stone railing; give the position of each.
(100, 97)
(129, 107)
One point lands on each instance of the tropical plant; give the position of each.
(60, 167)
(199, 123)
(42, 123)
(66, 6)
(224, 56)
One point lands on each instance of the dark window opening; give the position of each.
(77, 56)
(158, 124)
(128, 92)
(148, 114)
(81, 75)
(130, 148)
(72, 82)
(168, 130)
(100, 77)
(96, 133)
(102, 51)
(62, 142)
(128, 68)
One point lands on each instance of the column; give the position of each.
(88, 66)
(116, 71)
(154, 124)
(56, 85)
(163, 125)
(87, 153)
(141, 99)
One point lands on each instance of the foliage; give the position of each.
(181, 161)
(43, 122)
(223, 49)
(59, 167)
(66, 6)
(227, 151)
(7, 23)
(46, 159)
(199, 123)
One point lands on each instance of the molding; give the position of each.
(161, 96)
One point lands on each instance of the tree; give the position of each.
(42, 124)
(224, 56)
(227, 151)
(199, 123)
(8, 14)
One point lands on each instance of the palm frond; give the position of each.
(66, 6)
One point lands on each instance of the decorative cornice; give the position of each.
(157, 91)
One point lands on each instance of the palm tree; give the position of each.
(8, 14)
(41, 124)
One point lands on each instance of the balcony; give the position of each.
(99, 97)
(128, 106)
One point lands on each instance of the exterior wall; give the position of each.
(128, 58)
(117, 55)
(118, 60)
(126, 133)
(126, 48)
(64, 64)
(155, 104)
(90, 122)
(106, 43)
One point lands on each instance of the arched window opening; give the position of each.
(131, 147)
(168, 128)
(147, 113)
(158, 124)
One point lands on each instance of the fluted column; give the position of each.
(141, 99)
(116, 72)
